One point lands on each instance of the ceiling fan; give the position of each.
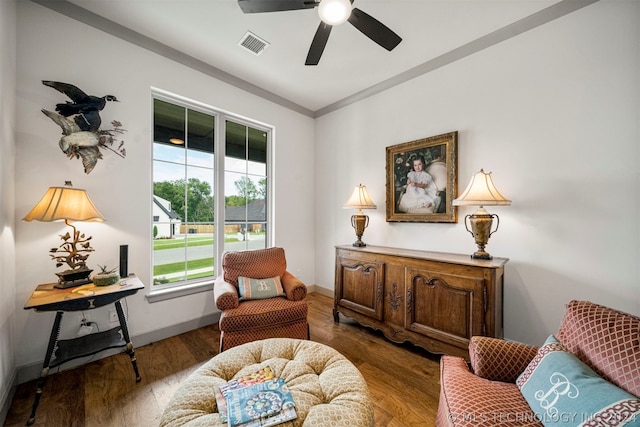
(366, 24)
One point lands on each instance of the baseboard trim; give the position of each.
(321, 290)
(32, 371)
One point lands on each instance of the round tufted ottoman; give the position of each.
(328, 390)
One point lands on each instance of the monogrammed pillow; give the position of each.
(563, 391)
(249, 288)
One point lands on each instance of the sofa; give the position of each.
(588, 374)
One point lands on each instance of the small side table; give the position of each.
(86, 297)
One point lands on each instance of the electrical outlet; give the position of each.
(84, 330)
(113, 316)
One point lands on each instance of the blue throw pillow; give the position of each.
(563, 391)
(249, 288)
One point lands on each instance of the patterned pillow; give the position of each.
(563, 391)
(249, 288)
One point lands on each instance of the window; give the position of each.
(210, 175)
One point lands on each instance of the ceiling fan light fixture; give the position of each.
(334, 12)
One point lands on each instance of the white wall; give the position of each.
(554, 114)
(98, 63)
(7, 203)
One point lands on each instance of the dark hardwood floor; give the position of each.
(403, 380)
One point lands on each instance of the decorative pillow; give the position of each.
(249, 288)
(563, 391)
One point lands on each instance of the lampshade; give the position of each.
(481, 192)
(360, 199)
(64, 203)
(334, 12)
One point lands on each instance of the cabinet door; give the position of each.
(359, 286)
(446, 307)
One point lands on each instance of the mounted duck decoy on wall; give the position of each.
(80, 123)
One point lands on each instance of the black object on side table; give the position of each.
(86, 297)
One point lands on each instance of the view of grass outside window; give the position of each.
(185, 173)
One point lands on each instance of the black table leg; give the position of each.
(53, 339)
(125, 335)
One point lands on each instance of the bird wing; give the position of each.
(70, 90)
(68, 126)
(90, 156)
(89, 120)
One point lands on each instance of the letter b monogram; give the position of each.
(263, 286)
(560, 386)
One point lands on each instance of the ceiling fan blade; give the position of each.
(318, 44)
(259, 6)
(374, 29)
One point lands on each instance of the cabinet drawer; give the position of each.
(359, 286)
(445, 306)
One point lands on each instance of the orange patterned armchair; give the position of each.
(245, 318)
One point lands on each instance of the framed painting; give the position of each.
(422, 180)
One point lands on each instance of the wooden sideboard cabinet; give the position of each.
(433, 300)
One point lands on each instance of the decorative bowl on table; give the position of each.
(106, 277)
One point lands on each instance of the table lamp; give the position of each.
(359, 200)
(481, 192)
(68, 204)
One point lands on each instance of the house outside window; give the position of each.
(210, 190)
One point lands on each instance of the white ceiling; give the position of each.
(204, 34)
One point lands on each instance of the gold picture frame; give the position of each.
(425, 194)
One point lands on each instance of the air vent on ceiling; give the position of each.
(253, 43)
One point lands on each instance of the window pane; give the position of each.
(200, 132)
(257, 140)
(235, 197)
(200, 251)
(233, 164)
(201, 159)
(169, 153)
(235, 140)
(164, 171)
(168, 245)
(242, 236)
(199, 195)
(168, 131)
(257, 237)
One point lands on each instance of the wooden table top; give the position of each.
(46, 297)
